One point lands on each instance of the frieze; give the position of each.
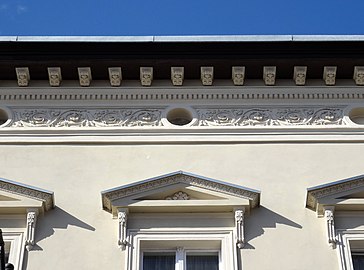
(270, 117)
(86, 118)
(152, 117)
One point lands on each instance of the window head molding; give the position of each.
(342, 195)
(44, 197)
(25, 200)
(346, 194)
(180, 193)
(208, 193)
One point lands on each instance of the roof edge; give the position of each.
(196, 38)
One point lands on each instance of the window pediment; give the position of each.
(342, 195)
(347, 194)
(28, 202)
(182, 194)
(179, 192)
(16, 194)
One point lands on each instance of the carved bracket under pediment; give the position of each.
(330, 225)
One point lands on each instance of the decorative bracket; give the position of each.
(239, 223)
(122, 218)
(23, 76)
(329, 216)
(31, 222)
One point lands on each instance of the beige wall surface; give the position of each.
(280, 234)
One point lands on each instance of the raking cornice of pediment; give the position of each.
(17, 191)
(346, 194)
(215, 193)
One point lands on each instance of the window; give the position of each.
(187, 250)
(352, 249)
(193, 260)
(358, 260)
(159, 261)
(193, 222)
(14, 248)
(341, 205)
(20, 206)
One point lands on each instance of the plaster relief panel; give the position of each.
(155, 117)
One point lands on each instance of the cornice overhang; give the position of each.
(129, 196)
(222, 52)
(45, 197)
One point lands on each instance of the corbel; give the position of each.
(84, 74)
(330, 225)
(177, 75)
(146, 76)
(269, 75)
(359, 75)
(299, 75)
(238, 75)
(55, 76)
(22, 74)
(207, 75)
(239, 224)
(122, 219)
(32, 215)
(329, 75)
(115, 76)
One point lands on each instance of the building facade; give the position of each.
(188, 153)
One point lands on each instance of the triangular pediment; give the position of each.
(346, 194)
(17, 198)
(179, 192)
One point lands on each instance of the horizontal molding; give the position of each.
(183, 138)
(208, 93)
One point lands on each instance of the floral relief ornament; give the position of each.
(152, 117)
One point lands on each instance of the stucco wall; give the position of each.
(281, 234)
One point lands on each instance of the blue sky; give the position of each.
(172, 17)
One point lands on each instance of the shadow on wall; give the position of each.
(262, 218)
(54, 219)
(57, 219)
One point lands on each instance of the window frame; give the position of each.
(345, 250)
(16, 239)
(178, 264)
(227, 252)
